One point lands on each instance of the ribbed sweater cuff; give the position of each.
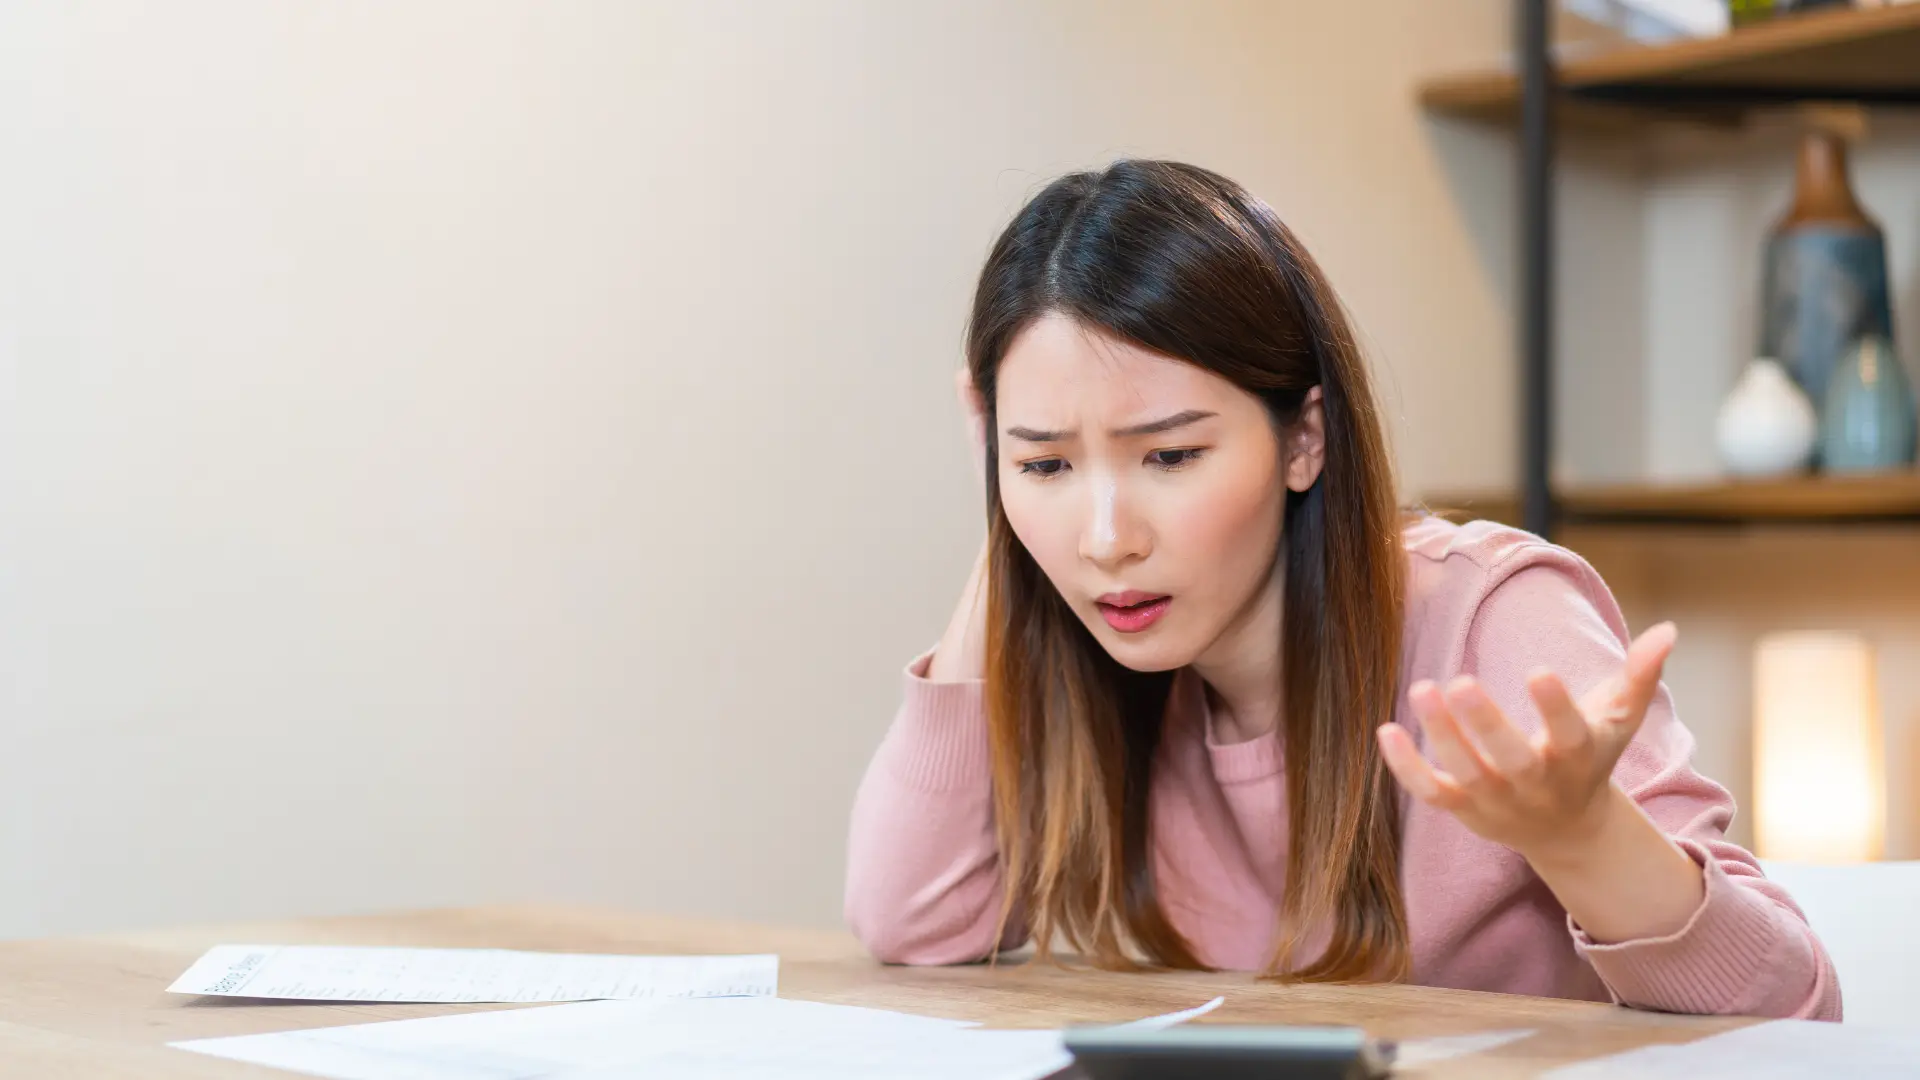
(938, 741)
(1703, 968)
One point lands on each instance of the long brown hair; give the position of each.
(1185, 262)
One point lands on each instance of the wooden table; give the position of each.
(97, 1007)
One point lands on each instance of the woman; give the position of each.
(1165, 723)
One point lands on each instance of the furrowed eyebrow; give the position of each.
(1027, 434)
(1151, 427)
(1155, 427)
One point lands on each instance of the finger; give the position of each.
(1623, 697)
(1421, 779)
(1502, 745)
(1450, 746)
(1567, 729)
(1646, 659)
(1405, 763)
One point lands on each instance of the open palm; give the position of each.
(1527, 792)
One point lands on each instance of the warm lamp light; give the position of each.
(1816, 749)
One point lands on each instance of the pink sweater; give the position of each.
(923, 884)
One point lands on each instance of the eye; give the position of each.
(1044, 467)
(1173, 459)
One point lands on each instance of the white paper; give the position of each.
(1161, 1023)
(365, 973)
(1779, 1048)
(744, 1038)
(1419, 1053)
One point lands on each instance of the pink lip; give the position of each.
(1131, 612)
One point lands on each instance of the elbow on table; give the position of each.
(895, 936)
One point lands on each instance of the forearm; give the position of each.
(923, 866)
(962, 652)
(923, 876)
(1625, 880)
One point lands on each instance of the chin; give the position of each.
(1138, 652)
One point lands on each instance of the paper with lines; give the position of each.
(373, 973)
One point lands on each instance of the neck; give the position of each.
(1242, 671)
(1821, 189)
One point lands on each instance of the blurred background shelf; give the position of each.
(1890, 498)
(1863, 56)
(1868, 55)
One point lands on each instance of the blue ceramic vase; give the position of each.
(1826, 288)
(1825, 271)
(1867, 422)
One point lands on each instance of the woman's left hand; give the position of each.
(1545, 795)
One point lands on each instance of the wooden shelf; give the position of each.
(1880, 498)
(1869, 55)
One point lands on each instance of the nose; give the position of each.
(1114, 534)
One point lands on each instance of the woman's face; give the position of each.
(1148, 490)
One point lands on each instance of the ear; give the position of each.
(1305, 448)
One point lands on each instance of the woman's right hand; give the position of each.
(962, 653)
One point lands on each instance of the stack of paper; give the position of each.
(712, 1039)
(362, 973)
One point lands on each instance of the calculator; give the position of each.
(1229, 1052)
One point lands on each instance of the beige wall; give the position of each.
(459, 451)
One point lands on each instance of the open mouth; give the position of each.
(1131, 613)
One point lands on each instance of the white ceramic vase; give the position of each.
(1766, 425)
